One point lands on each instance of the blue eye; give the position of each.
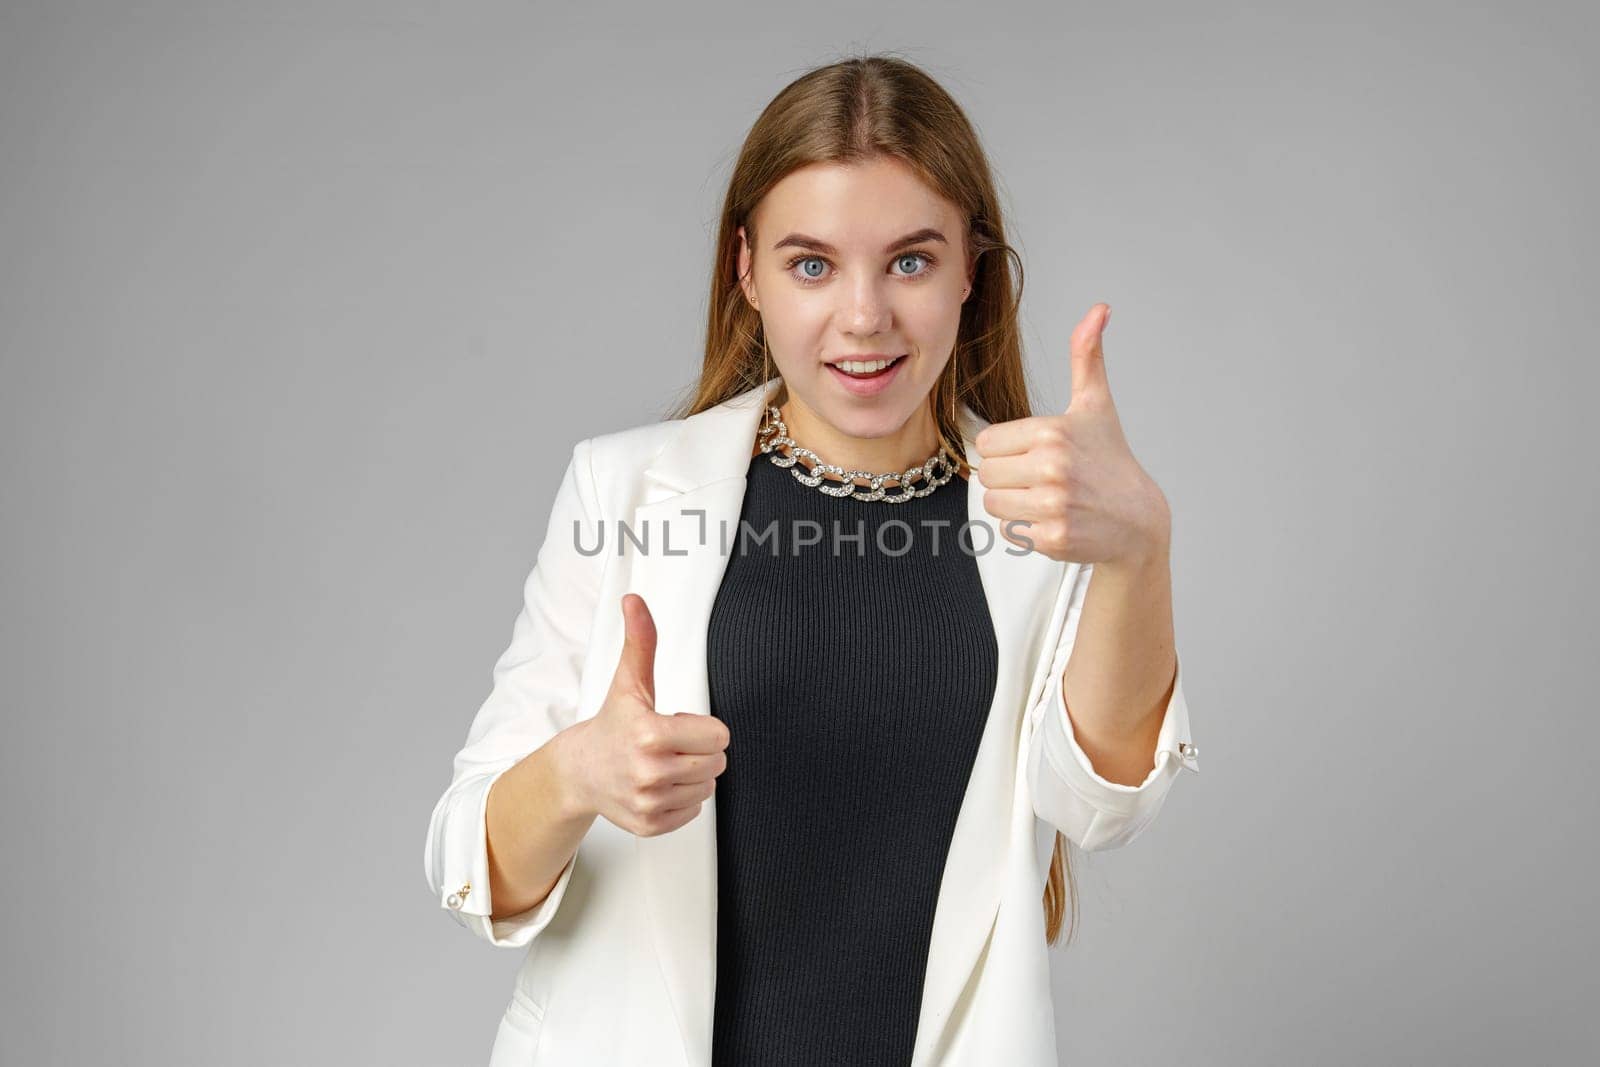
(913, 256)
(807, 277)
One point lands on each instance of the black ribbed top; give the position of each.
(855, 677)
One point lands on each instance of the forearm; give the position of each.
(1123, 664)
(534, 828)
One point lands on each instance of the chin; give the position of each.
(878, 417)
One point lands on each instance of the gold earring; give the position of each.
(954, 357)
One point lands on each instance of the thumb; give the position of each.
(636, 668)
(1088, 353)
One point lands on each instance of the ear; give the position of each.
(746, 282)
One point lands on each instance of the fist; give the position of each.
(1070, 479)
(646, 772)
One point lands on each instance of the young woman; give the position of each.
(778, 767)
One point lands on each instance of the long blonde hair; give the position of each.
(850, 112)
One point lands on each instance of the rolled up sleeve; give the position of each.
(1092, 811)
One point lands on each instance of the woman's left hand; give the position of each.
(1071, 478)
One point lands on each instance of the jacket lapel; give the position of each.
(694, 491)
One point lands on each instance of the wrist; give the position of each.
(1145, 557)
(568, 793)
(1150, 548)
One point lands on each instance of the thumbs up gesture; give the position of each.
(644, 771)
(1071, 478)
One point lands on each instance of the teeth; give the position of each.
(852, 366)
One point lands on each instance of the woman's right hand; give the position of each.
(646, 772)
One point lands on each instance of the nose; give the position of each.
(867, 311)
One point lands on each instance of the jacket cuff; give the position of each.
(1095, 812)
(464, 888)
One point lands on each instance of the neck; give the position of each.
(909, 446)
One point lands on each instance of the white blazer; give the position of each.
(620, 963)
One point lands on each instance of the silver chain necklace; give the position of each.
(939, 469)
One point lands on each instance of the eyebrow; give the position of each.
(800, 240)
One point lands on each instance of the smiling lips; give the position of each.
(865, 364)
(868, 375)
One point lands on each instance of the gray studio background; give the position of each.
(303, 306)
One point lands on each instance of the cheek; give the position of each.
(934, 304)
(933, 322)
(794, 323)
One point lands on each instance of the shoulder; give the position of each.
(614, 462)
(617, 453)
